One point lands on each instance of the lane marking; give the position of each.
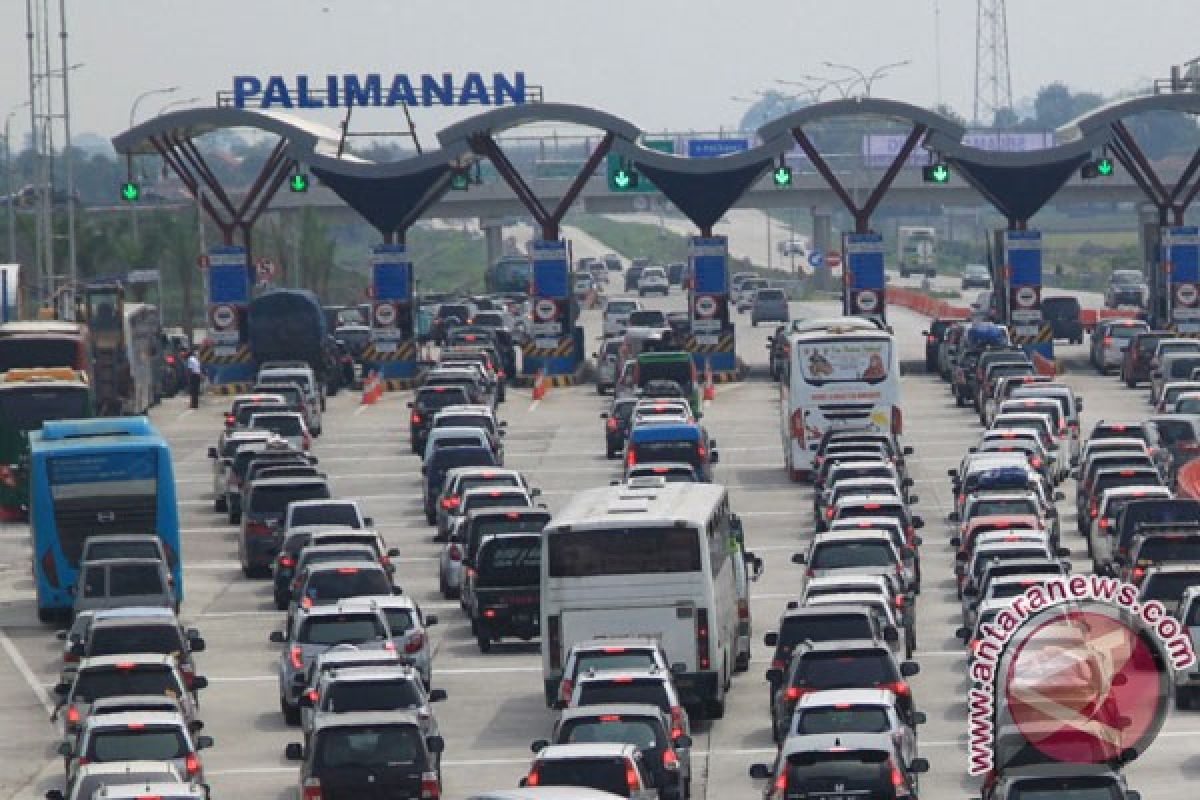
(360, 409)
(186, 413)
(533, 406)
(22, 666)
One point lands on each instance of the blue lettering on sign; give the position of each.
(715, 148)
(368, 91)
(393, 281)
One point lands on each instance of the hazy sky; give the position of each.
(662, 64)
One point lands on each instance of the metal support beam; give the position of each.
(814, 156)
(1161, 197)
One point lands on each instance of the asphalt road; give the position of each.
(495, 703)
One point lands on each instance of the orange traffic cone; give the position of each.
(371, 388)
(539, 385)
(710, 391)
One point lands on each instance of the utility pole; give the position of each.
(68, 160)
(993, 78)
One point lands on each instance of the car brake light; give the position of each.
(670, 760)
(414, 644)
(612, 424)
(631, 457)
(1035, 462)
(897, 775)
(899, 601)
(798, 426)
(489, 613)
(793, 693)
(931, 338)
(287, 561)
(430, 790)
(451, 502)
(294, 655)
(1138, 574)
(702, 638)
(829, 512)
(899, 688)
(258, 529)
(701, 452)
(347, 570)
(781, 782)
(897, 421)
(533, 779)
(312, 696)
(1104, 523)
(743, 609)
(312, 789)
(1108, 340)
(307, 441)
(676, 721)
(193, 765)
(416, 418)
(73, 716)
(631, 777)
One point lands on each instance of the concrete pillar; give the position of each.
(493, 238)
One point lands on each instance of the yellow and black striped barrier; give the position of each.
(405, 351)
(208, 355)
(401, 384)
(228, 389)
(724, 345)
(1045, 335)
(564, 348)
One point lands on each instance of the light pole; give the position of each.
(867, 80)
(11, 198)
(68, 158)
(815, 92)
(175, 103)
(132, 114)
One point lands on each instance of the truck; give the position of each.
(917, 250)
(289, 325)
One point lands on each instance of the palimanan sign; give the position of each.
(375, 90)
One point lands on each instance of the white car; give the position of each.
(287, 425)
(854, 711)
(616, 315)
(653, 280)
(306, 379)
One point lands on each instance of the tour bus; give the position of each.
(95, 477)
(842, 375)
(28, 398)
(645, 562)
(126, 338)
(43, 343)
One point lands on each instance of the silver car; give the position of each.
(371, 689)
(92, 779)
(153, 736)
(306, 379)
(606, 365)
(855, 711)
(769, 305)
(408, 626)
(129, 674)
(222, 458)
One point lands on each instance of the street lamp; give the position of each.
(132, 114)
(175, 103)
(815, 92)
(867, 80)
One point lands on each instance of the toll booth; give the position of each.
(864, 290)
(225, 353)
(556, 347)
(711, 342)
(1180, 264)
(392, 351)
(1020, 288)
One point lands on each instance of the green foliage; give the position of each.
(634, 239)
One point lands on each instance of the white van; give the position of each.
(841, 376)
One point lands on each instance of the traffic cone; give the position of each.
(371, 389)
(710, 391)
(539, 385)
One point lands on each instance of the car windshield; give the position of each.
(341, 629)
(650, 692)
(400, 620)
(641, 733)
(97, 682)
(326, 514)
(437, 397)
(100, 547)
(837, 555)
(1012, 507)
(111, 640)
(274, 499)
(282, 424)
(380, 695)
(846, 670)
(850, 719)
(140, 743)
(334, 584)
(1072, 788)
(367, 746)
(824, 628)
(603, 774)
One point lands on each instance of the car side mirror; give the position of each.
(294, 751)
(437, 695)
(368, 522)
(305, 700)
(909, 482)
(799, 558)
(603, 415)
(535, 492)
(972, 449)
(277, 637)
(436, 744)
(909, 668)
(908, 451)
(204, 742)
(792, 605)
(760, 772)
(918, 765)
(199, 682)
(962, 633)
(970, 591)
(57, 794)
(197, 645)
(1060, 496)
(714, 457)
(62, 689)
(1063, 552)
(1078, 404)
(431, 620)
(775, 675)
(952, 473)
(890, 634)
(212, 452)
(952, 516)
(770, 638)
(918, 522)
(423, 470)
(538, 745)
(683, 740)
(409, 404)
(913, 499)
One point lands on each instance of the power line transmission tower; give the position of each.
(993, 79)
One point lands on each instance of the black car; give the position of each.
(442, 461)
(821, 623)
(365, 754)
(632, 276)
(264, 508)
(933, 341)
(427, 402)
(1063, 316)
(616, 425)
(504, 593)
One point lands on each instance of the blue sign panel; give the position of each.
(374, 90)
(864, 260)
(551, 273)
(715, 148)
(1023, 255)
(391, 273)
(228, 279)
(708, 257)
(1183, 251)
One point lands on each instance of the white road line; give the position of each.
(360, 409)
(186, 413)
(533, 406)
(22, 667)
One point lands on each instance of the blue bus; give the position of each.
(91, 477)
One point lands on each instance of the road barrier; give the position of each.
(372, 389)
(710, 391)
(925, 304)
(539, 385)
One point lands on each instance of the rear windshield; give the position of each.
(650, 692)
(249, 410)
(301, 378)
(1168, 587)
(117, 639)
(1011, 507)
(852, 774)
(1073, 788)
(440, 397)
(282, 424)
(836, 555)
(514, 523)
(620, 306)
(846, 670)
(666, 451)
(605, 774)
(334, 584)
(479, 481)
(770, 294)
(326, 514)
(400, 620)
(1157, 549)
(511, 562)
(608, 659)
(99, 682)
(350, 552)
(465, 421)
(495, 500)
(102, 548)
(231, 446)
(640, 732)
(1125, 331)
(367, 746)
(382, 695)
(275, 499)
(824, 628)
(342, 629)
(138, 744)
(123, 579)
(860, 719)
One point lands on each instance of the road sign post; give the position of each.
(864, 291)
(708, 299)
(555, 344)
(393, 351)
(1180, 254)
(225, 360)
(1023, 292)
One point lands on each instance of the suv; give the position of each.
(440, 462)
(809, 624)
(428, 401)
(459, 481)
(1135, 364)
(265, 505)
(770, 305)
(222, 458)
(376, 688)
(1126, 287)
(369, 753)
(1063, 316)
(851, 764)
(314, 390)
(977, 276)
(502, 590)
(611, 767)
(149, 736)
(116, 634)
(122, 675)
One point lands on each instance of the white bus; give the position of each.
(652, 562)
(845, 373)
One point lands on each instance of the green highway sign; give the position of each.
(299, 182)
(623, 174)
(130, 192)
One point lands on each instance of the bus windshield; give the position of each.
(27, 352)
(624, 551)
(25, 408)
(844, 361)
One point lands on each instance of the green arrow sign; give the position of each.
(621, 179)
(782, 176)
(299, 182)
(1104, 167)
(941, 174)
(130, 192)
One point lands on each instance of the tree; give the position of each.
(1005, 119)
(949, 113)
